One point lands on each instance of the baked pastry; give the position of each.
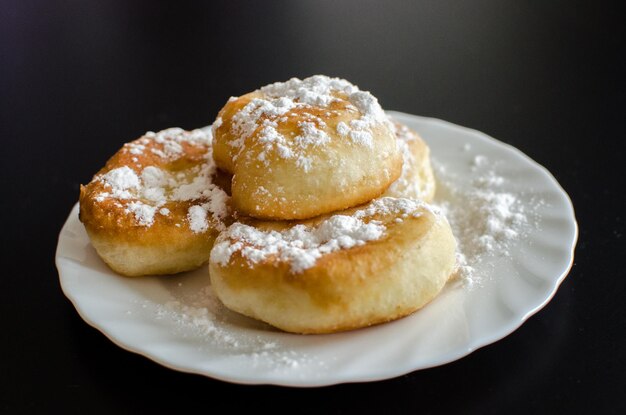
(302, 148)
(306, 243)
(153, 208)
(417, 180)
(360, 267)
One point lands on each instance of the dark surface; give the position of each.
(78, 79)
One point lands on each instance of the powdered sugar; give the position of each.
(248, 119)
(414, 180)
(301, 246)
(316, 90)
(342, 128)
(121, 180)
(310, 135)
(484, 218)
(171, 139)
(408, 161)
(395, 206)
(153, 187)
(363, 138)
(144, 214)
(197, 311)
(274, 103)
(197, 218)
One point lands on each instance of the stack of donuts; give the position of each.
(308, 202)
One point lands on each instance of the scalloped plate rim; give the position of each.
(338, 378)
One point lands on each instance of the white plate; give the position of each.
(176, 321)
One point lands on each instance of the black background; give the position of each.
(79, 78)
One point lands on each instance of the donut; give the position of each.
(417, 180)
(360, 267)
(303, 148)
(153, 208)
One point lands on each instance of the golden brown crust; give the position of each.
(417, 180)
(152, 252)
(289, 169)
(380, 281)
(276, 176)
(167, 244)
(224, 133)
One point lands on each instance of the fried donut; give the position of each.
(417, 180)
(303, 148)
(364, 266)
(153, 208)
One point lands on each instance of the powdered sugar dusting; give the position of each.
(401, 207)
(408, 161)
(362, 137)
(484, 218)
(262, 115)
(197, 218)
(148, 191)
(316, 90)
(200, 313)
(301, 246)
(144, 214)
(121, 180)
(171, 139)
(343, 129)
(411, 182)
